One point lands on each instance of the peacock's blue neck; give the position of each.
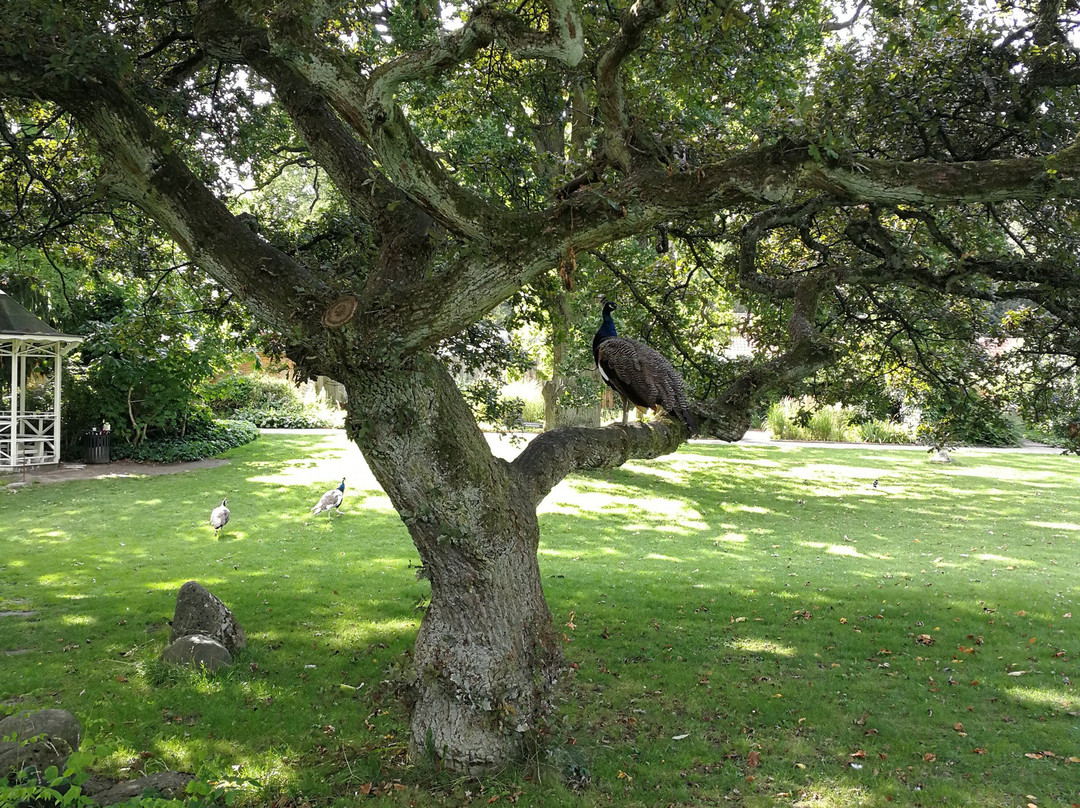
(607, 326)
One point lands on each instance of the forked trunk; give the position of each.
(486, 655)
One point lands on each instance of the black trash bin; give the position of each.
(96, 446)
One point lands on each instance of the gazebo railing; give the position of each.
(34, 441)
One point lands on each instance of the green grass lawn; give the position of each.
(749, 626)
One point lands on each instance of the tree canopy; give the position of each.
(890, 171)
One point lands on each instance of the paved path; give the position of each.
(94, 471)
(757, 437)
(502, 445)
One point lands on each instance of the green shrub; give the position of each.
(804, 419)
(780, 421)
(883, 432)
(831, 424)
(530, 400)
(290, 417)
(268, 402)
(253, 392)
(957, 418)
(207, 441)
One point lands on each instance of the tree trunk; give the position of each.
(487, 654)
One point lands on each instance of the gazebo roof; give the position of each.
(17, 323)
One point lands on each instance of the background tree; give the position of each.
(154, 330)
(830, 183)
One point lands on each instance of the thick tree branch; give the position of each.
(563, 42)
(402, 157)
(1046, 30)
(334, 147)
(528, 246)
(615, 122)
(144, 169)
(373, 109)
(552, 455)
(1051, 176)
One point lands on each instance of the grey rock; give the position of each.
(198, 651)
(170, 785)
(42, 738)
(198, 611)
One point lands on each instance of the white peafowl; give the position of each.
(331, 499)
(638, 373)
(219, 517)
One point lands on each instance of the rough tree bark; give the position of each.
(486, 653)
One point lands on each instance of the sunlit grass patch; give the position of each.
(745, 626)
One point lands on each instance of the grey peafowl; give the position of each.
(638, 373)
(331, 499)
(219, 517)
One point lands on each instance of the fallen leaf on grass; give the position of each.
(924, 639)
(858, 754)
(753, 759)
(680, 737)
(929, 757)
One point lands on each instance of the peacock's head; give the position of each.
(608, 306)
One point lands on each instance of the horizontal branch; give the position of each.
(1046, 177)
(554, 454)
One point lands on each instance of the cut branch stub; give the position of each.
(340, 311)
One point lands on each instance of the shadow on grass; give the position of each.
(867, 643)
(717, 603)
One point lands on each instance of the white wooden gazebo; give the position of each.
(30, 352)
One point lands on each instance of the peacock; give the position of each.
(219, 517)
(638, 373)
(331, 499)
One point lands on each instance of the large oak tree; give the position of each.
(837, 173)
